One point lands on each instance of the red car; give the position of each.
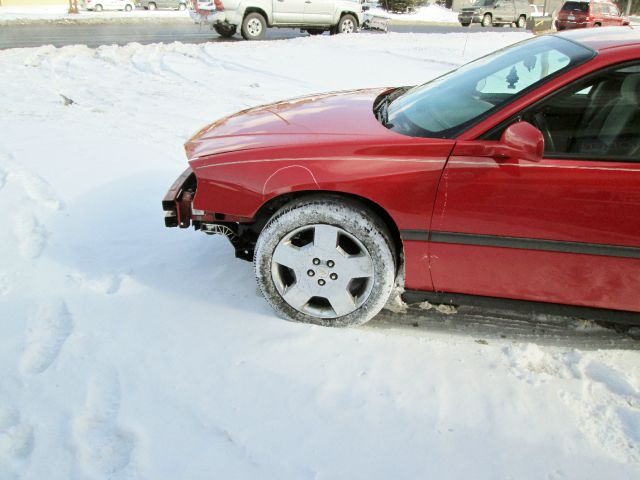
(516, 176)
(577, 14)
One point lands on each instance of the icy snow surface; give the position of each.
(130, 351)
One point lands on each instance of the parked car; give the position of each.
(576, 14)
(155, 4)
(100, 5)
(516, 176)
(253, 17)
(496, 12)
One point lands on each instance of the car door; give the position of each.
(565, 229)
(318, 12)
(288, 11)
(505, 11)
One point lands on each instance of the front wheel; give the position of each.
(312, 31)
(127, 8)
(347, 24)
(522, 21)
(152, 6)
(254, 27)
(98, 8)
(487, 20)
(325, 260)
(182, 7)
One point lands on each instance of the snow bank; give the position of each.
(429, 14)
(131, 351)
(60, 13)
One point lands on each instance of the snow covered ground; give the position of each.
(130, 351)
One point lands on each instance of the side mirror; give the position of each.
(523, 141)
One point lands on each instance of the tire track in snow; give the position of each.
(46, 334)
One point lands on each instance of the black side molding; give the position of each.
(501, 306)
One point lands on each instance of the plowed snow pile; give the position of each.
(129, 351)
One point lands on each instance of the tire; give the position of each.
(98, 8)
(522, 21)
(152, 6)
(127, 8)
(254, 26)
(465, 24)
(597, 25)
(347, 24)
(487, 20)
(339, 278)
(315, 32)
(182, 7)
(225, 30)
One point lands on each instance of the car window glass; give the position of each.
(576, 6)
(599, 119)
(447, 105)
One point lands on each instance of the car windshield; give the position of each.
(576, 6)
(484, 3)
(446, 106)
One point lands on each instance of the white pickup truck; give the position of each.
(253, 17)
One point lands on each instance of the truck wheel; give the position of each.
(522, 21)
(325, 260)
(182, 7)
(347, 24)
(487, 21)
(225, 30)
(127, 8)
(98, 8)
(152, 6)
(465, 24)
(254, 26)
(312, 31)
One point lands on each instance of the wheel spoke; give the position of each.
(325, 237)
(342, 302)
(288, 255)
(296, 296)
(357, 266)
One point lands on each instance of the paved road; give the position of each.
(94, 35)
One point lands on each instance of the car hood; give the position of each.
(297, 121)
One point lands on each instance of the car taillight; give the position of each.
(218, 4)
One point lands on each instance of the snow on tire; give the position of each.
(325, 260)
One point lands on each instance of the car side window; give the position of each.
(596, 119)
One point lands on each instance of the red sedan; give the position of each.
(516, 176)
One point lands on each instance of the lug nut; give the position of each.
(316, 261)
(330, 264)
(333, 276)
(321, 282)
(311, 273)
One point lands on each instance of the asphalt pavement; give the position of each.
(94, 35)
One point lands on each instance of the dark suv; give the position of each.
(496, 12)
(587, 14)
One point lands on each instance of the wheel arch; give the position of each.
(271, 206)
(261, 11)
(348, 12)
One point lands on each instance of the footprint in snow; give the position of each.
(31, 235)
(36, 188)
(46, 333)
(16, 442)
(103, 448)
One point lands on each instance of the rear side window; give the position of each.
(576, 6)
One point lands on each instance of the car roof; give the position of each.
(603, 38)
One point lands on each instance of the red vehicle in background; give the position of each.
(516, 176)
(576, 14)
